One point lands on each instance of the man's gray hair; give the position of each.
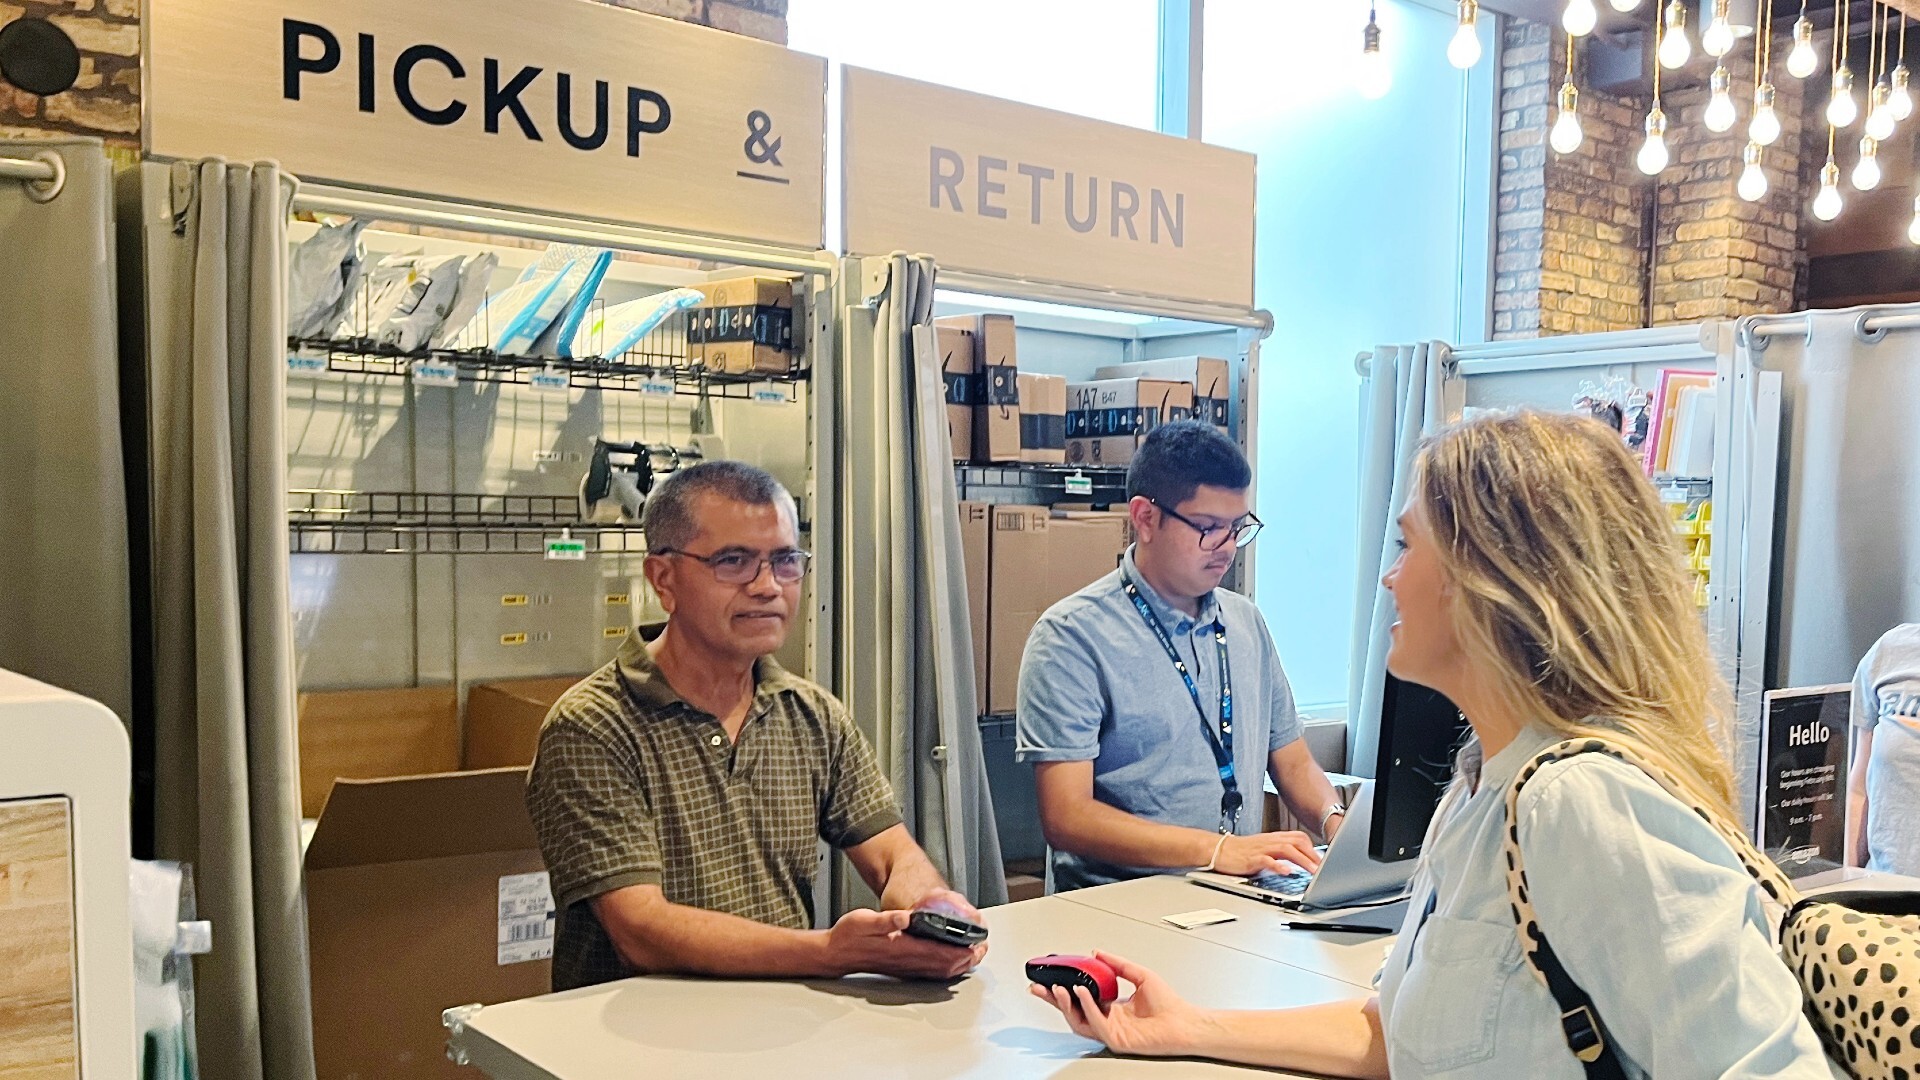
(668, 517)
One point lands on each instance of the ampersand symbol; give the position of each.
(759, 150)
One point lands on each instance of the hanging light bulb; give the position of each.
(1567, 134)
(1653, 155)
(1717, 38)
(1880, 119)
(1374, 75)
(1675, 49)
(1753, 179)
(1720, 113)
(1624, 5)
(1464, 50)
(1765, 128)
(1866, 173)
(1842, 110)
(1803, 60)
(1913, 230)
(1826, 205)
(1580, 17)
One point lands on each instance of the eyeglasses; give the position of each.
(1215, 537)
(743, 568)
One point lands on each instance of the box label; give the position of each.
(306, 365)
(549, 381)
(526, 919)
(435, 373)
(567, 549)
(656, 388)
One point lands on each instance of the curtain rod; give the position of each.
(44, 174)
(1871, 324)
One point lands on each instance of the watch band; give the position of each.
(1327, 815)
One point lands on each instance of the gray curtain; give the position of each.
(906, 651)
(226, 783)
(1847, 523)
(64, 613)
(1406, 394)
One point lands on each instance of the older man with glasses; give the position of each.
(1152, 701)
(680, 792)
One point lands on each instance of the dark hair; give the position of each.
(1176, 458)
(668, 516)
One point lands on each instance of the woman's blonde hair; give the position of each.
(1570, 591)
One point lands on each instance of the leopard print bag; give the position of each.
(1855, 954)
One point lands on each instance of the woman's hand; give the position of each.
(1152, 1022)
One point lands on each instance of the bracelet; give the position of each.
(1218, 844)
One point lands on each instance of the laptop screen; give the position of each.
(1420, 731)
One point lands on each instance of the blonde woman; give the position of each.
(1540, 588)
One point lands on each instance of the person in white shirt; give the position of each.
(1540, 589)
(1883, 789)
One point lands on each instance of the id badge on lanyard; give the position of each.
(1222, 743)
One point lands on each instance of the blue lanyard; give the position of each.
(1221, 744)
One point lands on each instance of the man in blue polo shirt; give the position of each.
(1152, 701)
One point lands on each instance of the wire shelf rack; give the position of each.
(640, 371)
(1041, 484)
(338, 522)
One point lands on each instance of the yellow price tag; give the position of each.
(513, 639)
(514, 600)
(617, 599)
(614, 632)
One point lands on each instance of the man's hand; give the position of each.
(1279, 852)
(877, 942)
(948, 902)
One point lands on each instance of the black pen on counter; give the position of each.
(1337, 928)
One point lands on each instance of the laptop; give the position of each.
(1348, 876)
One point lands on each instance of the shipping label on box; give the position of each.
(527, 919)
(1108, 419)
(1212, 380)
(1043, 418)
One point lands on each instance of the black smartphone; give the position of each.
(945, 929)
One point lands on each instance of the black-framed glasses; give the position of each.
(743, 567)
(1214, 537)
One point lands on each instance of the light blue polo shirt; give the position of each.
(1886, 700)
(1095, 685)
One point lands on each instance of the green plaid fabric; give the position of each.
(633, 786)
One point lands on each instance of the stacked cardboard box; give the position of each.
(1211, 378)
(1043, 419)
(1109, 418)
(744, 325)
(1036, 558)
(957, 368)
(995, 395)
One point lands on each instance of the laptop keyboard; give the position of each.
(1285, 884)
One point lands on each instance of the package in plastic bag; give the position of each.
(406, 299)
(322, 278)
(166, 936)
(476, 279)
(558, 339)
(620, 327)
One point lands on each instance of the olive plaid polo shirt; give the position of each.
(633, 786)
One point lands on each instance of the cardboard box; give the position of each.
(1212, 381)
(744, 325)
(1043, 418)
(996, 416)
(963, 385)
(1107, 419)
(504, 718)
(1038, 559)
(423, 893)
(361, 734)
(974, 531)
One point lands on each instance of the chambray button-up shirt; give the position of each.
(1095, 685)
(1645, 905)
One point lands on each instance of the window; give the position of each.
(1373, 226)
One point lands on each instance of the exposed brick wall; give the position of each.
(106, 100)
(1569, 257)
(1572, 244)
(1719, 256)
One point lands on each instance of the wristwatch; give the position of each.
(1326, 815)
